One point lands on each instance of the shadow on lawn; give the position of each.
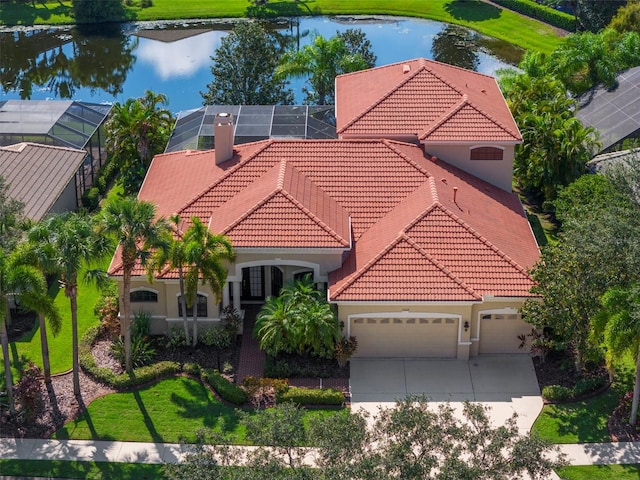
(200, 405)
(472, 10)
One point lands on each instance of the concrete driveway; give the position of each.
(506, 383)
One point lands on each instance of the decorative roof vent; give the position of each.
(223, 133)
(406, 68)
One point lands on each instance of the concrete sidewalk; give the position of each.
(139, 452)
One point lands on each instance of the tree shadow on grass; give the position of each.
(148, 422)
(472, 10)
(26, 13)
(201, 405)
(284, 8)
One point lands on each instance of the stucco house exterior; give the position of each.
(407, 220)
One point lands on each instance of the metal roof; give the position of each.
(614, 113)
(194, 128)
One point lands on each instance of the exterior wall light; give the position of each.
(466, 325)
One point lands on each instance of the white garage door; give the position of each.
(405, 337)
(499, 333)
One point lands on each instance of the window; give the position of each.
(202, 307)
(486, 153)
(143, 296)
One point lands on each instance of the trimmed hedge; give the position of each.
(312, 396)
(584, 386)
(140, 376)
(227, 390)
(541, 12)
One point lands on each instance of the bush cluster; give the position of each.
(140, 376)
(227, 390)
(541, 12)
(312, 396)
(282, 368)
(582, 387)
(105, 177)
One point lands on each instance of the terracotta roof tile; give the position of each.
(412, 97)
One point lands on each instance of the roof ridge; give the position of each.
(441, 267)
(313, 216)
(483, 239)
(490, 117)
(226, 175)
(456, 108)
(259, 204)
(357, 273)
(377, 102)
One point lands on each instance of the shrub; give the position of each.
(192, 369)
(264, 392)
(587, 385)
(312, 396)
(176, 338)
(142, 352)
(345, 348)
(107, 310)
(227, 390)
(29, 392)
(217, 337)
(556, 393)
(140, 376)
(541, 12)
(141, 325)
(91, 198)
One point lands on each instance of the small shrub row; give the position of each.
(140, 376)
(312, 396)
(282, 368)
(541, 12)
(227, 390)
(582, 387)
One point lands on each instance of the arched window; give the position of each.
(143, 296)
(486, 153)
(202, 307)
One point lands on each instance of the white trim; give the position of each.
(472, 147)
(237, 276)
(288, 251)
(204, 294)
(408, 303)
(148, 289)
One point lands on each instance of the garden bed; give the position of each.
(297, 366)
(558, 369)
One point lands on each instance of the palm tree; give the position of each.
(137, 130)
(134, 226)
(205, 253)
(322, 61)
(27, 285)
(66, 244)
(27, 254)
(173, 256)
(619, 327)
(274, 326)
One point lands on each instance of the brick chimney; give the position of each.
(223, 134)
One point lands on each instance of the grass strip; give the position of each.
(483, 17)
(84, 470)
(600, 472)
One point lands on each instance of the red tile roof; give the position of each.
(434, 101)
(421, 230)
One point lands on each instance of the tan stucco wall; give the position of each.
(496, 172)
(468, 342)
(326, 262)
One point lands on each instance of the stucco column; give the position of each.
(225, 295)
(236, 295)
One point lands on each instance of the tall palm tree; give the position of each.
(172, 255)
(27, 253)
(68, 243)
(205, 255)
(27, 285)
(134, 225)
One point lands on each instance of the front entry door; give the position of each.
(277, 281)
(253, 283)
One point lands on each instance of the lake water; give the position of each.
(174, 58)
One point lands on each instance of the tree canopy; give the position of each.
(244, 70)
(11, 218)
(323, 60)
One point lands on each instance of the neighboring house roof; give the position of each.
(421, 230)
(601, 162)
(38, 174)
(436, 102)
(615, 113)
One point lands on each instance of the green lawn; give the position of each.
(600, 472)
(168, 411)
(86, 470)
(28, 347)
(482, 17)
(585, 421)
